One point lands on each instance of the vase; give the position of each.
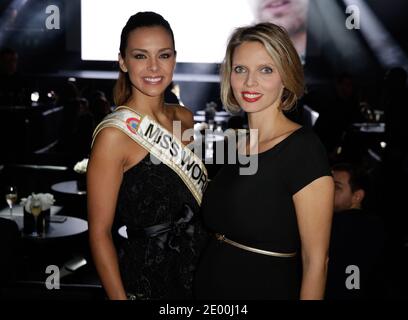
(28, 222)
(39, 225)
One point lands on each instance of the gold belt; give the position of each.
(222, 237)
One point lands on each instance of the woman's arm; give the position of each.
(104, 176)
(314, 211)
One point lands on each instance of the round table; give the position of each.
(18, 211)
(70, 227)
(72, 198)
(69, 187)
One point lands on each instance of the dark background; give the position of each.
(58, 52)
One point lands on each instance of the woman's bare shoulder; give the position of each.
(111, 139)
(115, 148)
(110, 135)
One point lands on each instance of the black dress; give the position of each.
(258, 211)
(357, 240)
(157, 261)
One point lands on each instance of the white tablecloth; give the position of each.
(18, 210)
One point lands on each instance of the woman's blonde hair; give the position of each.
(280, 48)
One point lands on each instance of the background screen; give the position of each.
(201, 28)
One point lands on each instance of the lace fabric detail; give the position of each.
(159, 266)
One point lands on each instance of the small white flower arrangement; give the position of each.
(46, 200)
(81, 166)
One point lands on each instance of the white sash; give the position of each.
(162, 144)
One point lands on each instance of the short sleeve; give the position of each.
(306, 161)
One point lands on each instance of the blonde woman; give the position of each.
(267, 223)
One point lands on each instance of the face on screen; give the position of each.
(290, 14)
(149, 60)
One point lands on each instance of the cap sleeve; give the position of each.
(307, 161)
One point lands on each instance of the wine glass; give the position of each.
(11, 198)
(36, 211)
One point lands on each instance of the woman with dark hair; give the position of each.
(142, 174)
(264, 221)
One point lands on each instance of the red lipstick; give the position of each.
(251, 96)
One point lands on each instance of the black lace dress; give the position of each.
(158, 259)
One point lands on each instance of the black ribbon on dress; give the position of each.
(168, 234)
